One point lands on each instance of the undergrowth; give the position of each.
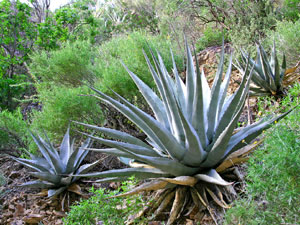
(272, 194)
(101, 209)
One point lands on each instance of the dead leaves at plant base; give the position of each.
(188, 202)
(31, 209)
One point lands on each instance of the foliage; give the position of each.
(290, 10)
(55, 169)
(11, 90)
(268, 75)
(246, 21)
(13, 132)
(69, 65)
(101, 208)
(274, 168)
(78, 19)
(62, 104)
(176, 19)
(128, 16)
(211, 37)
(49, 34)
(129, 50)
(17, 35)
(286, 37)
(71, 22)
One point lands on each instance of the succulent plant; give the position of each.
(268, 77)
(55, 168)
(191, 135)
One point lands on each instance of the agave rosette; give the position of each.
(190, 135)
(268, 75)
(192, 131)
(55, 169)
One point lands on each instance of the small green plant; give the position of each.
(55, 168)
(102, 208)
(272, 192)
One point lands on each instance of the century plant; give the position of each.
(269, 78)
(190, 135)
(55, 168)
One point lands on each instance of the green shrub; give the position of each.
(100, 210)
(250, 23)
(128, 48)
(286, 37)
(60, 105)
(272, 195)
(69, 65)
(290, 10)
(13, 132)
(211, 37)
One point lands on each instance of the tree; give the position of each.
(17, 36)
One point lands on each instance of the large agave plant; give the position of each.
(191, 135)
(55, 169)
(268, 77)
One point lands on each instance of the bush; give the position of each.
(98, 209)
(13, 132)
(286, 37)
(69, 65)
(211, 37)
(291, 9)
(128, 48)
(62, 104)
(272, 192)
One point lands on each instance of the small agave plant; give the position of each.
(55, 168)
(269, 78)
(191, 135)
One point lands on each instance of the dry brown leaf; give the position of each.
(75, 188)
(238, 156)
(33, 218)
(43, 193)
(150, 186)
(182, 180)
(177, 204)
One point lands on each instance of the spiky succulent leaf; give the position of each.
(128, 172)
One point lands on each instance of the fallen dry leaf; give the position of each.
(33, 218)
